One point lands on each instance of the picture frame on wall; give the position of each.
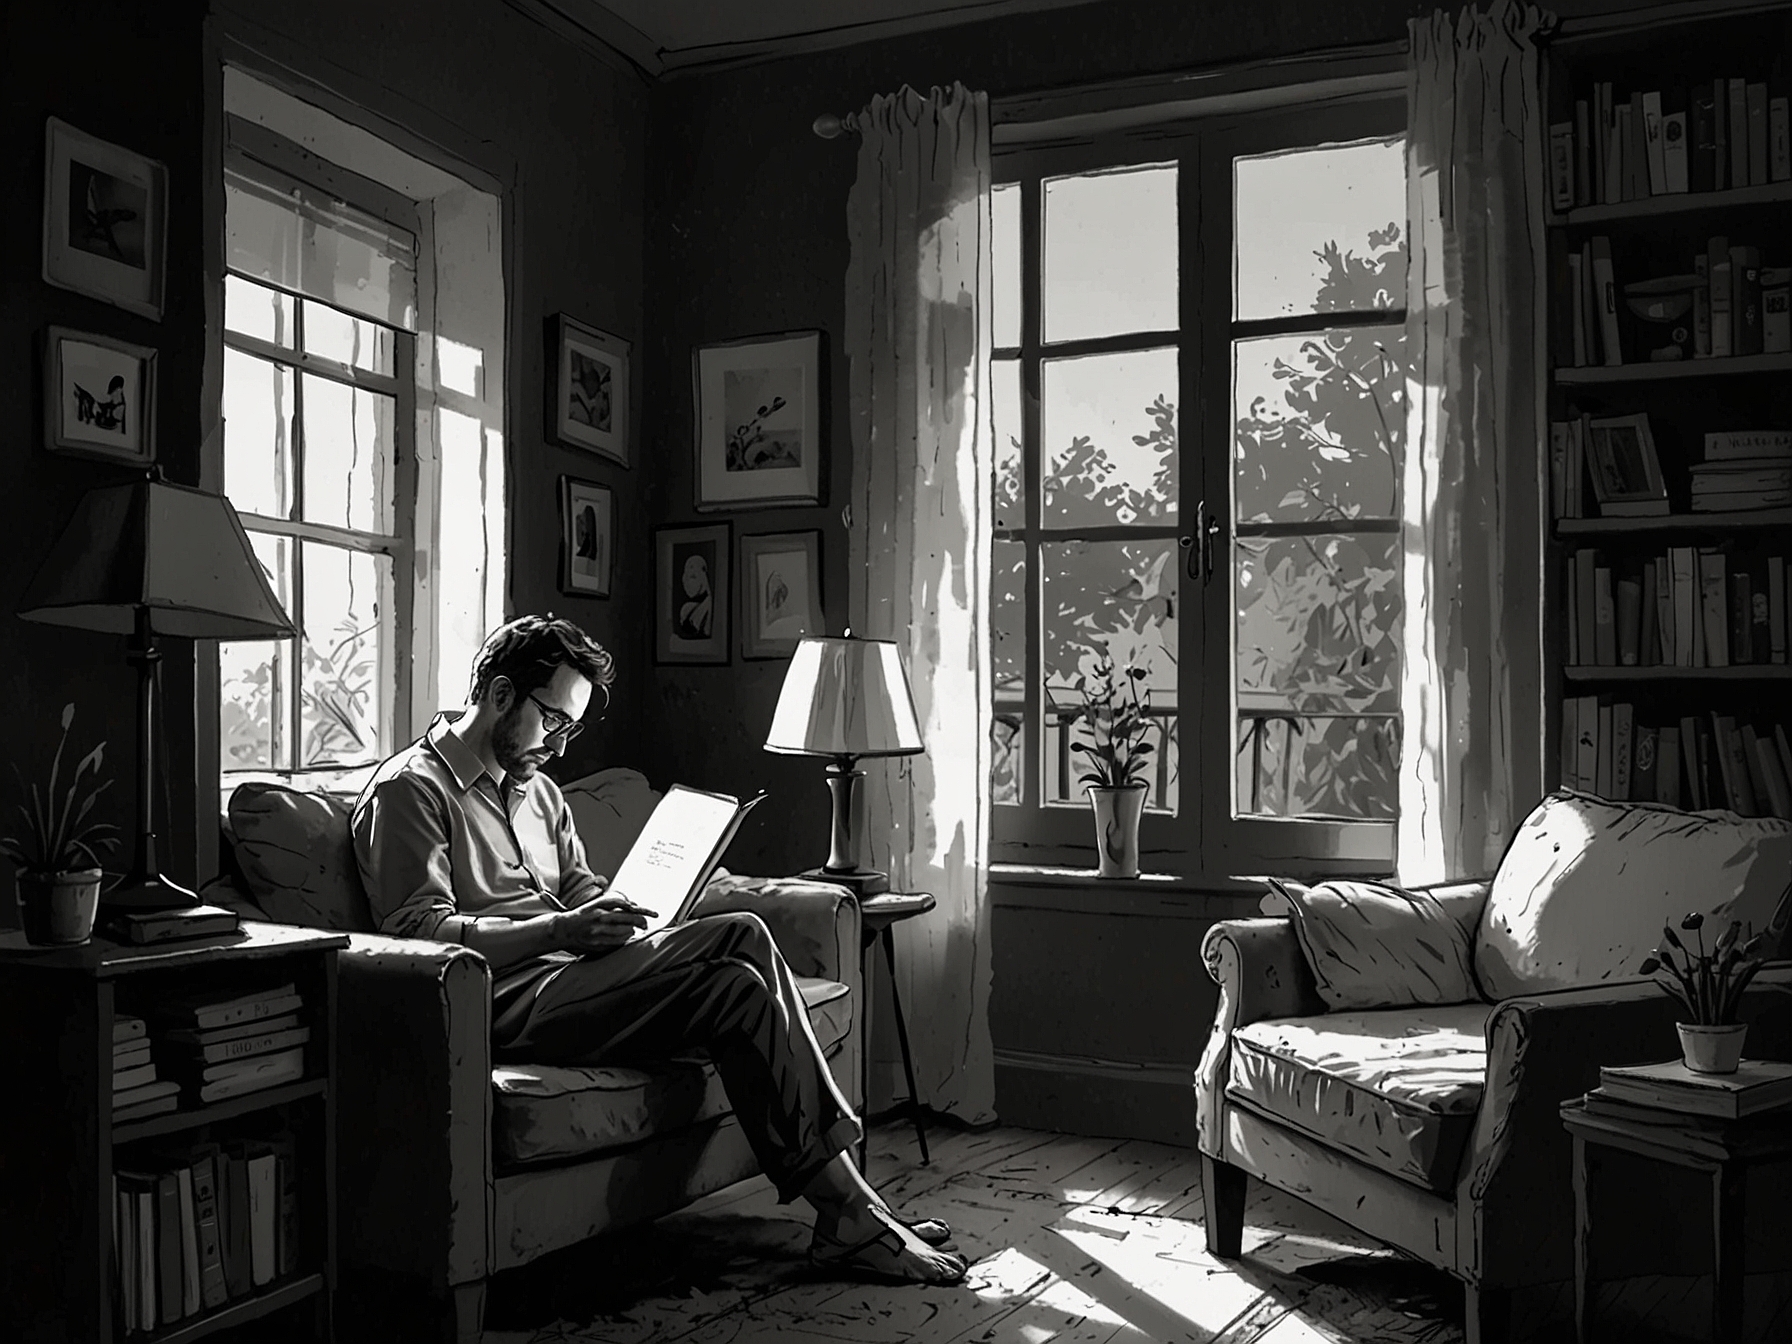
(105, 220)
(691, 590)
(758, 421)
(587, 537)
(588, 397)
(780, 592)
(99, 397)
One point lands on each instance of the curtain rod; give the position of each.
(830, 126)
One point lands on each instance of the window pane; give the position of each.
(256, 679)
(459, 367)
(345, 685)
(1320, 421)
(1005, 377)
(1008, 664)
(255, 310)
(353, 341)
(1004, 242)
(1113, 598)
(1109, 253)
(348, 455)
(1318, 230)
(1336, 768)
(1109, 423)
(258, 410)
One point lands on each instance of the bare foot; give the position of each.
(869, 1241)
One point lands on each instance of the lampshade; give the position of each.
(845, 697)
(177, 554)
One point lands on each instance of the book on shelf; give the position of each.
(1745, 300)
(238, 1077)
(140, 1274)
(126, 1028)
(1751, 445)
(128, 1055)
(240, 1047)
(1755, 93)
(1779, 138)
(1776, 316)
(1717, 278)
(1667, 765)
(1561, 165)
(1757, 1086)
(208, 1011)
(1605, 298)
(123, 1080)
(212, 1291)
(150, 1098)
(236, 1031)
(1736, 123)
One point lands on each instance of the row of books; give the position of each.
(1705, 136)
(206, 1050)
(1729, 303)
(1612, 461)
(1698, 761)
(1688, 607)
(196, 1229)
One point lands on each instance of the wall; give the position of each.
(52, 70)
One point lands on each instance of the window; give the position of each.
(1199, 404)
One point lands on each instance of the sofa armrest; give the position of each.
(413, 1113)
(816, 924)
(1261, 973)
(1515, 1214)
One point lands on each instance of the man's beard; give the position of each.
(507, 748)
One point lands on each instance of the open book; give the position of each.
(677, 851)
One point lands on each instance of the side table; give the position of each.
(877, 915)
(1724, 1148)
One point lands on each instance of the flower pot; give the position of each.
(1117, 813)
(57, 909)
(1711, 1049)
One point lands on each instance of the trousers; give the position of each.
(716, 984)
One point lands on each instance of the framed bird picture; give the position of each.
(780, 592)
(105, 220)
(99, 397)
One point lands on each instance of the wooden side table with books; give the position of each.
(169, 1140)
(1721, 1124)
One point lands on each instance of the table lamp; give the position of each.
(149, 558)
(845, 699)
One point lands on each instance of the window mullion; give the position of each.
(1032, 794)
(296, 512)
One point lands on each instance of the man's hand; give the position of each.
(601, 924)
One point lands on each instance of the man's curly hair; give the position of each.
(528, 651)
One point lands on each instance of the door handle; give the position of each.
(1199, 561)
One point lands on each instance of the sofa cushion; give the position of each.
(609, 810)
(1371, 945)
(297, 856)
(1395, 1087)
(1585, 887)
(545, 1113)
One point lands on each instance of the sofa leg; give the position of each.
(1223, 1191)
(1487, 1314)
(464, 1312)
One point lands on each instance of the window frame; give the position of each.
(1202, 840)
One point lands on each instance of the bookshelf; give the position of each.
(59, 1267)
(1668, 548)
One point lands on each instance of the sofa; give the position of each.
(1398, 1059)
(451, 1167)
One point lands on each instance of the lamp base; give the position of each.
(859, 881)
(138, 892)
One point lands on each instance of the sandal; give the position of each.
(886, 1258)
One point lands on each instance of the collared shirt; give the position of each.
(441, 846)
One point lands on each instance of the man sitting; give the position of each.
(460, 838)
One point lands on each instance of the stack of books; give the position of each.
(1633, 1091)
(136, 1090)
(226, 1047)
(196, 1228)
(1743, 471)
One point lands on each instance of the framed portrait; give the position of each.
(99, 397)
(105, 220)
(780, 592)
(1626, 470)
(587, 537)
(758, 421)
(691, 588)
(589, 393)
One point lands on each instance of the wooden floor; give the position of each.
(1072, 1241)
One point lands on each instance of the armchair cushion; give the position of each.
(297, 856)
(1586, 885)
(1371, 945)
(1394, 1087)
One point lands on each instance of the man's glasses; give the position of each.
(555, 723)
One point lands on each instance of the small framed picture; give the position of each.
(99, 397)
(1626, 470)
(691, 587)
(105, 220)
(587, 537)
(780, 592)
(758, 420)
(589, 392)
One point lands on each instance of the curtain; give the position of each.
(917, 341)
(1474, 484)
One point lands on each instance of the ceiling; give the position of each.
(661, 36)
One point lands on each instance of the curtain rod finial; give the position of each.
(830, 127)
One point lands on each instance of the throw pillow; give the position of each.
(1586, 885)
(1371, 945)
(297, 857)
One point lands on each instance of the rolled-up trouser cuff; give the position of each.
(840, 1136)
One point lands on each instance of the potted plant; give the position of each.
(1119, 717)
(1710, 985)
(57, 850)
